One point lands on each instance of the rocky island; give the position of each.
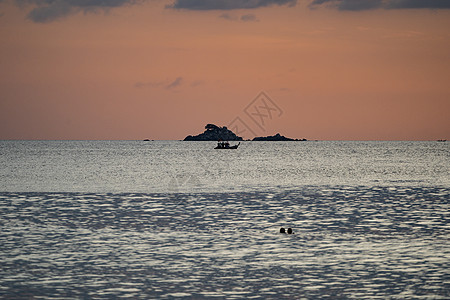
(214, 133)
(275, 138)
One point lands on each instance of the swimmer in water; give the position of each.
(290, 231)
(282, 230)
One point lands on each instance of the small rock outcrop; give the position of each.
(214, 133)
(275, 138)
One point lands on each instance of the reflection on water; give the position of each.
(175, 166)
(349, 242)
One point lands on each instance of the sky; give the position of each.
(163, 69)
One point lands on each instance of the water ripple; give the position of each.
(349, 242)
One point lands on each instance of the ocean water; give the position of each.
(170, 219)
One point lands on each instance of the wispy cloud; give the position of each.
(359, 5)
(45, 11)
(166, 84)
(354, 5)
(249, 18)
(197, 83)
(148, 84)
(243, 18)
(177, 82)
(226, 4)
(435, 4)
(228, 17)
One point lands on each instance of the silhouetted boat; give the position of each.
(223, 145)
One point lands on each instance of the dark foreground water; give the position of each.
(349, 242)
(384, 234)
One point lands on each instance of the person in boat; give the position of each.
(227, 145)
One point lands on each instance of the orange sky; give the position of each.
(146, 70)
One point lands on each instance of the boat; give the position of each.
(226, 145)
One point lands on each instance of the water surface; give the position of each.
(163, 220)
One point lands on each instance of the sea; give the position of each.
(180, 220)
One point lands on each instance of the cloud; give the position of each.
(177, 82)
(148, 84)
(197, 83)
(354, 5)
(169, 84)
(249, 18)
(45, 11)
(166, 84)
(228, 17)
(243, 18)
(436, 4)
(358, 5)
(226, 4)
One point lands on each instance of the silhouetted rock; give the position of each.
(214, 133)
(275, 138)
